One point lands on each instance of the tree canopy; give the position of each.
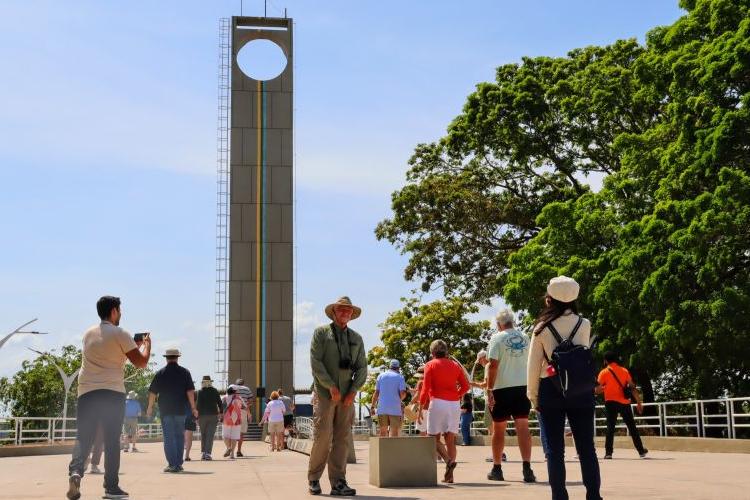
(662, 251)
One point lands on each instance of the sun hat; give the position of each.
(563, 289)
(169, 353)
(132, 395)
(394, 364)
(206, 378)
(343, 301)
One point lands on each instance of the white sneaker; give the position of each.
(95, 470)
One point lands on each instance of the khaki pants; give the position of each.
(332, 426)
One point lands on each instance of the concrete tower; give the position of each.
(261, 214)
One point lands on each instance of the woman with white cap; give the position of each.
(560, 318)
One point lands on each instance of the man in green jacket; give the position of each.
(339, 366)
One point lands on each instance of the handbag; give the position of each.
(627, 390)
(411, 411)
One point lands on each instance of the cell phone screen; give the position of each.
(138, 337)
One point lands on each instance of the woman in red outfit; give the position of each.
(443, 386)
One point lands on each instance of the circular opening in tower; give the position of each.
(261, 60)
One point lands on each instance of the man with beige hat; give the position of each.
(339, 366)
(174, 386)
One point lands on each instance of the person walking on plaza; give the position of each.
(274, 415)
(339, 367)
(467, 417)
(617, 386)
(248, 399)
(445, 383)
(508, 351)
(390, 390)
(133, 410)
(231, 425)
(288, 410)
(101, 394)
(174, 386)
(560, 319)
(209, 412)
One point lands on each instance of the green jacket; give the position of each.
(325, 357)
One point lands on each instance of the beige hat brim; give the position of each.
(356, 311)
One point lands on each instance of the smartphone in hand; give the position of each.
(138, 337)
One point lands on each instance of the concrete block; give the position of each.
(243, 109)
(287, 297)
(241, 261)
(273, 146)
(280, 261)
(249, 306)
(250, 146)
(287, 223)
(242, 339)
(281, 106)
(235, 300)
(274, 223)
(273, 301)
(280, 184)
(402, 461)
(248, 215)
(242, 184)
(287, 147)
(280, 335)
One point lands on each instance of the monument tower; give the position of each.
(259, 301)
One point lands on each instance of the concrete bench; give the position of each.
(402, 461)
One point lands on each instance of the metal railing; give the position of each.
(726, 418)
(28, 430)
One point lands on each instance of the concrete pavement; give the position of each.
(261, 474)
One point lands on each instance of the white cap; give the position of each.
(563, 289)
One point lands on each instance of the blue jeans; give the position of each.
(173, 427)
(580, 415)
(466, 420)
(543, 435)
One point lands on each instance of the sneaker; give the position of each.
(643, 453)
(179, 468)
(314, 488)
(496, 474)
(227, 453)
(115, 492)
(528, 475)
(505, 457)
(95, 470)
(74, 487)
(170, 469)
(187, 459)
(239, 454)
(134, 450)
(341, 489)
(608, 456)
(208, 457)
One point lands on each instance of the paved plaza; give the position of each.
(665, 475)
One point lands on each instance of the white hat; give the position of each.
(481, 354)
(171, 353)
(563, 289)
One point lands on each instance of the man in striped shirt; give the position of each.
(247, 401)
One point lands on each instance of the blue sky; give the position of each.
(107, 148)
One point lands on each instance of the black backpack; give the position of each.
(574, 364)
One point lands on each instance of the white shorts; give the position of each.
(422, 426)
(444, 417)
(230, 432)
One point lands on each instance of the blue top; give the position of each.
(390, 384)
(132, 408)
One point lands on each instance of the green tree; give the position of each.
(526, 140)
(37, 390)
(408, 332)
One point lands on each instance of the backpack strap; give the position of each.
(616, 378)
(556, 334)
(575, 329)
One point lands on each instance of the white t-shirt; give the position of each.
(104, 348)
(510, 348)
(275, 409)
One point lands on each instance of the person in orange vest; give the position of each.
(618, 388)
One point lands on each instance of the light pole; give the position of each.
(67, 382)
(19, 331)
